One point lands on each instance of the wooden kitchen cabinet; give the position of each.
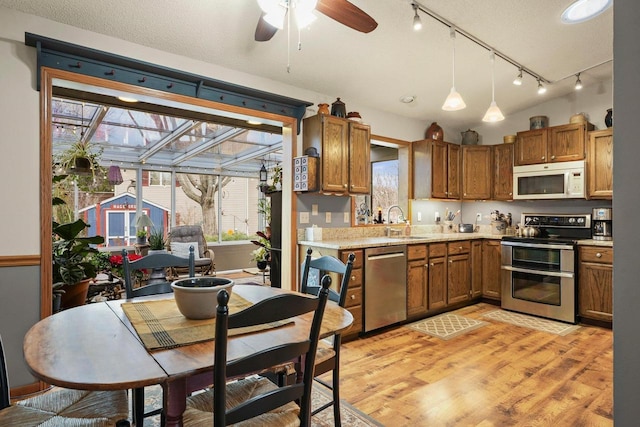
(344, 149)
(563, 143)
(417, 280)
(458, 272)
(600, 165)
(477, 164)
(476, 268)
(595, 283)
(437, 297)
(491, 272)
(502, 171)
(353, 302)
(436, 169)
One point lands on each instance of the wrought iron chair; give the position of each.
(156, 265)
(328, 356)
(256, 398)
(62, 407)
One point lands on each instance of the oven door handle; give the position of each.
(537, 245)
(538, 272)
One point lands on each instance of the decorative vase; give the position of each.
(323, 109)
(469, 137)
(338, 109)
(608, 119)
(434, 132)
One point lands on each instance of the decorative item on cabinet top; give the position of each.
(469, 137)
(305, 173)
(338, 109)
(509, 139)
(323, 109)
(434, 132)
(538, 122)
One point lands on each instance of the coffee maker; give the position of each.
(602, 223)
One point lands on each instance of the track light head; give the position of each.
(578, 85)
(417, 23)
(541, 88)
(518, 80)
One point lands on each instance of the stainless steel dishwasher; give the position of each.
(385, 286)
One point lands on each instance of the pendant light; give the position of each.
(417, 23)
(493, 114)
(578, 85)
(454, 101)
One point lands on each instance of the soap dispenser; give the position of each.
(407, 229)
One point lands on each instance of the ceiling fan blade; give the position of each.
(264, 30)
(347, 14)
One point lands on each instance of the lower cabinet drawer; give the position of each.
(356, 327)
(354, 297)
(597, 254)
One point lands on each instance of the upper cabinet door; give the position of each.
(476, 172)
(439, 169)
(454, 163)
(567, 143)
(531, 147)
(503, 172)
(359, 154)
(600, 164)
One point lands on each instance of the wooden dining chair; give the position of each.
(62, 407)
(328, 355)
(154, 266)
(254, 397)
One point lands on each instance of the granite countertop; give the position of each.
(370, 242)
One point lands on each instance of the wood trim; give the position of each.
(19, 260)
(48, 75)
(391, 140)
(24, 391)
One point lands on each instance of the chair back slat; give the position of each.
(161, 260)
(4, 380)
(272, 309)
(328, 264)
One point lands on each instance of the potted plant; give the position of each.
(262, 254)
(72, 263)
(156, 241)
(141, 236)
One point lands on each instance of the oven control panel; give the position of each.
(557, 220)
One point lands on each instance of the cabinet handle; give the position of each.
(511, 194)
(344, 185)
(427, 265)
(460, 247)
(542, 157)
(431, 264)
(450, 261)
(353, 297)
(353, 277)
(598, 255)
(464, 194)
(553, 157)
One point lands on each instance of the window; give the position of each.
(159, 178)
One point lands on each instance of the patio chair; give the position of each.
(62, 407)
(181, 238)
(256, 398)
(328, 354)
(156, 265)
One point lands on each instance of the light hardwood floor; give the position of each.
(497, 375)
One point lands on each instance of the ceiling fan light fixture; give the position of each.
(304, 17)
(518, 80)
(417, 23)
(276, 17)
(269, 6)
(578, 85)
(454, 101)
(583, 10)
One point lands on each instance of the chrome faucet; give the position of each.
(389, 211)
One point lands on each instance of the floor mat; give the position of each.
(350, 416)
(446, 326)
(531, 322)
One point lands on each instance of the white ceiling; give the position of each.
(370, 70)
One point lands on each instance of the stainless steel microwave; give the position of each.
(561, 180)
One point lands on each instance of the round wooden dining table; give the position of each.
(95, 347)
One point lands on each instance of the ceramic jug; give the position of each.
(323, 109)
(469, 137)
(434, 132)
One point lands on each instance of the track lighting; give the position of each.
(454, 101)
(417, 23)
(541, 88)
(518, 80)
(493, 114)
(578, 85)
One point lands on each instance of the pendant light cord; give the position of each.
(493, 76)
(452, 34)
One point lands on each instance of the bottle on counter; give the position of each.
(407, 229)
(379, 215)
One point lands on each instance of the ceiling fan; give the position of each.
(343, 11)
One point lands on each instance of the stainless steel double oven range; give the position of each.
(539, 274)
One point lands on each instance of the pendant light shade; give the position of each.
(454, 101)
(493, 114)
